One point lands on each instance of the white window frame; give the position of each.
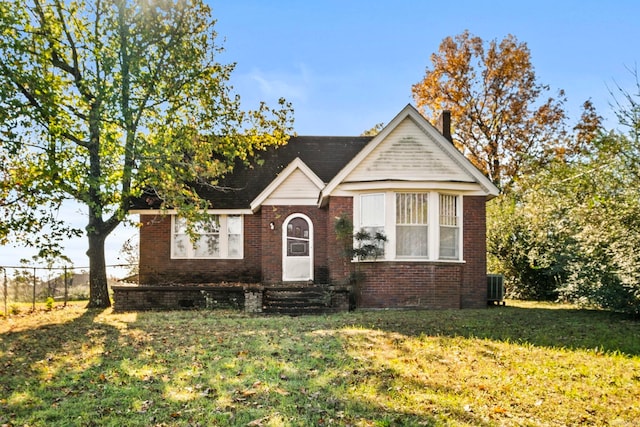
(444, 222)
(223, 240)
(433, 243)
(373, 227)
(415, 220)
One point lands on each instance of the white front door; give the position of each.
(297, 244)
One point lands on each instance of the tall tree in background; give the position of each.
(100, 100)
(571, 231)
(501, 121)
(626, 105)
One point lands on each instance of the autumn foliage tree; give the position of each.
(503, 120)
(100, 100)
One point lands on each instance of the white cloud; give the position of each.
(292, 84)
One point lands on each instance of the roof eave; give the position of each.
(411, 112)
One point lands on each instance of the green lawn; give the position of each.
(523, 364)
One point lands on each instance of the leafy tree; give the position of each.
(502, 121)
(626, 106)
(604, 206)
(24, 209)
(607, 273)
(519, 248)
(101, 100)
(374, 130)
(572, 231)
(129, 252)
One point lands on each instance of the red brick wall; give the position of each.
(410, 284)
(387, 284)
(474, 282)
(272, 241)
(340, 267)
(433, 284)
(271, 263)
(157, 267)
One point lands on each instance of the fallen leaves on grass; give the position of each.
(179, 368)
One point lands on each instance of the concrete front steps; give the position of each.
(299, 299)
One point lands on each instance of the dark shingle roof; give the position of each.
(324, 155)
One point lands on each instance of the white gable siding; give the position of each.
(297, 189)
(408, 154)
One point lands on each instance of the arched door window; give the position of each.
(297, 235)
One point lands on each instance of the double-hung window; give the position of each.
(234, 236)
(412, 225)
(372, 218)
(218, 236)
(449, 227)
(421, 226)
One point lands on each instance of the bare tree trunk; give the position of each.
(97, 230)
(98, 289)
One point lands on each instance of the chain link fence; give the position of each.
(24, 286)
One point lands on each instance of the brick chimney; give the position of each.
(444, 124)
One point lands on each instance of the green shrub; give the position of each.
(597, 284)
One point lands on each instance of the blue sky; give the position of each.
(347, 65)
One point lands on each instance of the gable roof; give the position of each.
(465, 170)
(326, 162)
(313, 183)
(323, 156)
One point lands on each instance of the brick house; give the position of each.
(274, 224)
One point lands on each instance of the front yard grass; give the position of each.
(519, 365)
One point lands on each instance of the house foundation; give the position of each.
(271, 299)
